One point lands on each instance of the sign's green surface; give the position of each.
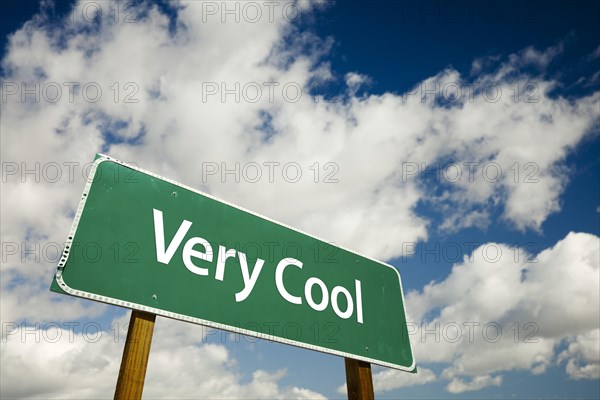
(144, 242)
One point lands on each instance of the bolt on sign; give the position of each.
(144, 242)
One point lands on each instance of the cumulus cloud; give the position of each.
(206, 102)
(384, 381)
(183, 101)
(477, 383)
(502, 310)
(180, 365)
(390, 379)
(355, 80)
(583, 355)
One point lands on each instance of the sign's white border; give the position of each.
(79, 293)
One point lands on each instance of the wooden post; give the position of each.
(359, 381)
(130, 383)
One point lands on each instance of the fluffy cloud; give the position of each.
(479, 382)
(583, 355)
(177, 357)
(501, 310)
(190, 97)
(192, 94)
(390, 379)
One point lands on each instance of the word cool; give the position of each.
(164, 256)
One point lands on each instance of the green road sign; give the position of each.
(145, 242)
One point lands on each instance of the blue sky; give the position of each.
(373, 63)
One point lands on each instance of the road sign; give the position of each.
(145, 242)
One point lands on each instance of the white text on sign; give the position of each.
(200, 249)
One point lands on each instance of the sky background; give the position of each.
(400, 97)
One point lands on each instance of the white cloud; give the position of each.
(500, 310)
(86, 365)
(583, 355)
(530, 55)
(387, 380)
(362, 193)
(34, 302)
(368, 141)
(391, 379)
(355, 81)
(477, 383)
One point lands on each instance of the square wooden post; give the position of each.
(132, 373)
(359, 380)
